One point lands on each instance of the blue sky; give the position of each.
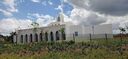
(45, 7)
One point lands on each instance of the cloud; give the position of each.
(50, 3)
(43, 20)
(86, 18)
(11, 4)
(37, 1)
(120, 21)
(11, 24)
(10, 7)
(66, 1)
(59, 8)
(94, 19)
(79, 4)
(111, 7)
(77, 15)
(108, 7)
(6, 13)
(101, 11)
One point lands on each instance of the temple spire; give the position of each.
(61, 14)
(60, 18)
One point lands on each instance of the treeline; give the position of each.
(6, 39)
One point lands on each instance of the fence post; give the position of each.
(106, 37)
(74, 37)
(90, 37)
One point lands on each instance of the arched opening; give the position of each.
(46, 36)
(51, 35)
(41, 38)
(63, 36)
(57, 35)
(21, 38)
(36, 37)
(26, 38)
(30, 37)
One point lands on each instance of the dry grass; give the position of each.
(96, 49)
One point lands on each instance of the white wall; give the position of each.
(42, 30)
(102, 29)
(84, 32)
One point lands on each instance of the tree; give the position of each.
(35, 26)
(62, 30)
(10, 38)
(122, 31)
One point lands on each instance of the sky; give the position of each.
(19, 14)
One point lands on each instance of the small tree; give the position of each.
(122, 31)
(35, 26)
(10, 38)
(62, 30)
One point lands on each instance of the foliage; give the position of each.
(96, 49)
(122, 30)
(35, 26)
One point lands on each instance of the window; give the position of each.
(76, 33)
(30, 37)
(41, 38)
(36, 37)
(21, 38)
(26, 38)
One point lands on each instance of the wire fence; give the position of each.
(85, 37)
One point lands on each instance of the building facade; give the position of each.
(61, 30)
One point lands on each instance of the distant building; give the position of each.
(61, 30)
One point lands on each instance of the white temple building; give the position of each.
(60, 30)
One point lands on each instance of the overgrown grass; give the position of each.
(95, 49)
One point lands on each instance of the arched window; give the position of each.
(57, 35)
(30, 37)
(21, 38)
(51, 35)
(36, 37)
(26, 38)
(46, 36)
(41, 38)
(63, 36)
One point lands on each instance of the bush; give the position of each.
(71, 42)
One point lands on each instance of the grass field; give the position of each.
(95, 49)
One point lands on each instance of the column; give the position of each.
(28, 38)
(54, 35)
(24, 39)
(19, 39)
(38, 34)
(43, 37)
(33, 37)
(49, 37)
